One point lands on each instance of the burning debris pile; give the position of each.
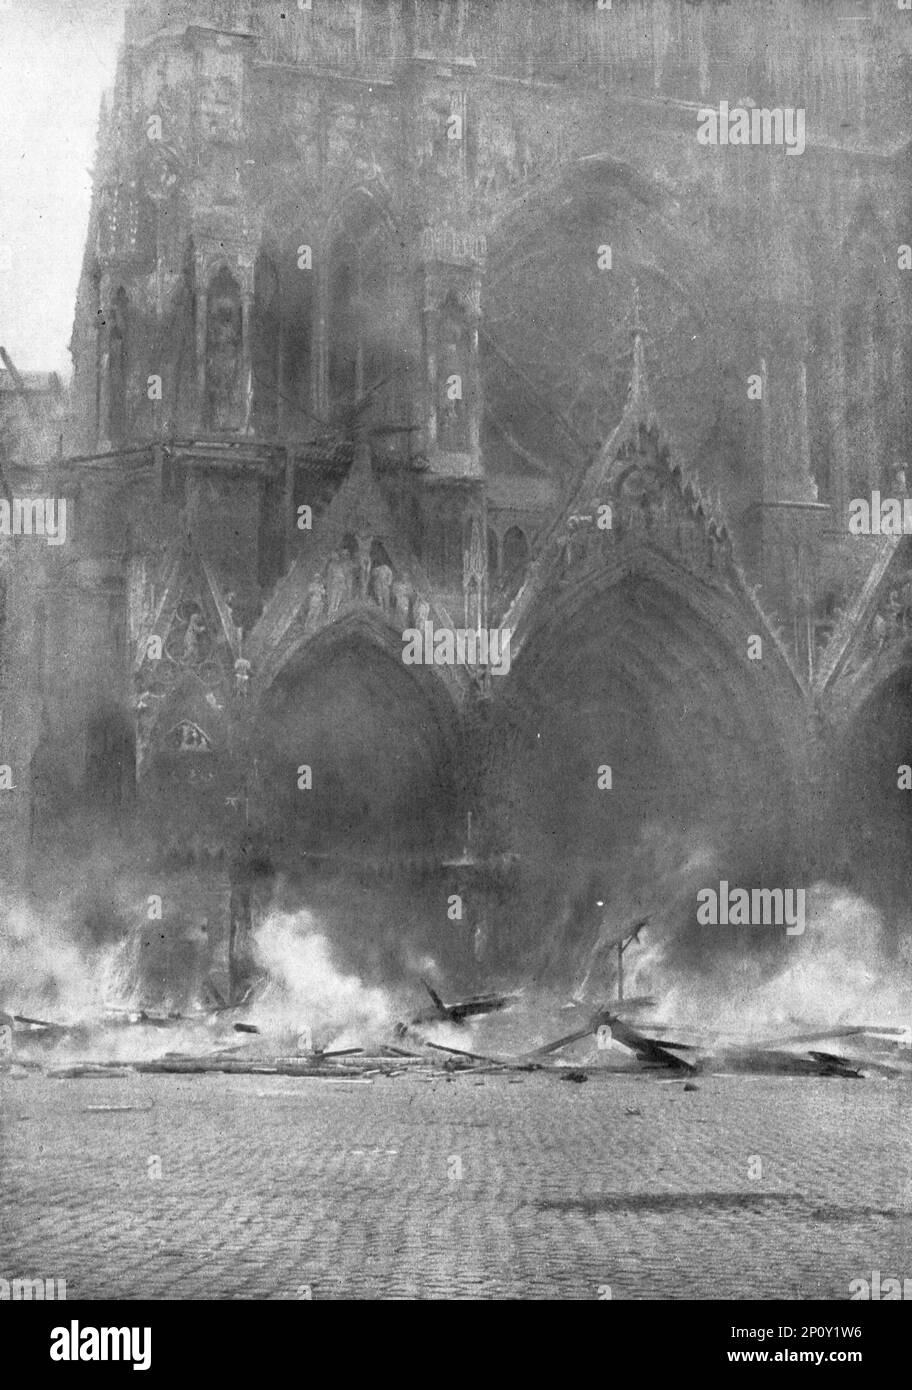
(70, 1013)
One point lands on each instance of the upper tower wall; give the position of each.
(855, 53)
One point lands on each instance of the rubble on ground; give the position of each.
(226, 1040)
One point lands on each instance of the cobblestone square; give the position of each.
(475, 1187)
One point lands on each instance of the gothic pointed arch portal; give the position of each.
(357, 789)
(644, 749)
(872, 796)
(378, 742)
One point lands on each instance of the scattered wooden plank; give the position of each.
(115, 1072)
(470, 1056)
(645, 1048)
(115, 1109)
(834, 1065)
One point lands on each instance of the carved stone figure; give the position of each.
(381, 582)
(316, 594)
(564, 545)
(192, 739)
(235, 612)
(880, 629)
(364, 566)
(196, 627)
(146, 715)
(338, 576)
(241, 677)
(401, 595)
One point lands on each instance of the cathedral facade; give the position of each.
(439, 317)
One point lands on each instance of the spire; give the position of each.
(638, 413)
(638, 409)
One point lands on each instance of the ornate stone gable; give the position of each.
(872, 637)
(632, 495)
(358, 560)
(186, 651)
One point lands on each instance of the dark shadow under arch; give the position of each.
(379, 741)
(634, 678)
(872, 847)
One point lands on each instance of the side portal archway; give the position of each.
(358, 774)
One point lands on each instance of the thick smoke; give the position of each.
(48, 967)
(82, 962)
(841, 971)
(307, 994)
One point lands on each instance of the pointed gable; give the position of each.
(358, 510)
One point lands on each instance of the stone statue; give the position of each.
(241, 677)
(316, 593)
(879, 630)
(190, 652)
(230, 602)
(337, 582)
(564, 545)
(364, 566)
(146, 715)
(401, 595)
(382, 580)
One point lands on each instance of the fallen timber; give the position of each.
(650, 1050)
(769, 1062)
(65, 1051)
(476, 1007)
(441, 1060)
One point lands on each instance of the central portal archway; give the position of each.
(873, 806)
(638, 743)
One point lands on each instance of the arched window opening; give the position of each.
(871, 415)
(265, 346)
(184, 331)
(373, 326)
(453, 358)
(295, 345)
(515, 555)
(345, 368)
(118, 369)
(493, 555)
(224, 333)
(379, 555)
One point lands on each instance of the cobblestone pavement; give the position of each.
(271, 1186)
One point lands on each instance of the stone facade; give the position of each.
(350, 357)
